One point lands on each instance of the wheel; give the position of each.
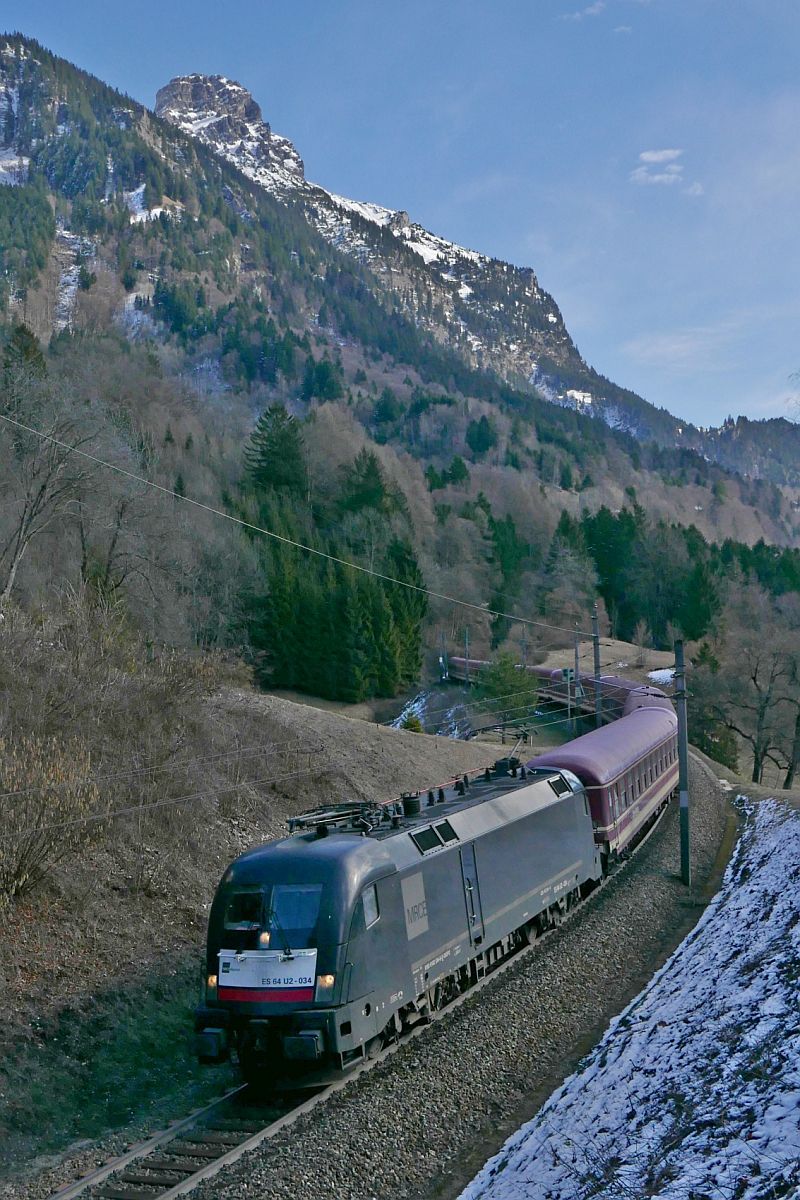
(372, 1048)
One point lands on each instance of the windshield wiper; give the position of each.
(272, 918)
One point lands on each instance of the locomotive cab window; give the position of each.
(370, 902)
(244, 910)
(559, 786)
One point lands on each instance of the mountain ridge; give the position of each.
(434, 301)
(481, 297)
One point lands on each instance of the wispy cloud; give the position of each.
(624, 29)
(659, 156)
(644, 176)
(663, 168)
(591, 10)
(699, 348)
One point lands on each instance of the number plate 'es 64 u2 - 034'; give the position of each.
(267, 975)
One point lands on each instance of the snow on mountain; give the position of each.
(223, 114)
(695, 1089)
(13, 167)
(495, 314)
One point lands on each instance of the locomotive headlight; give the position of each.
(325, 985)
(263, 939)
(211, 987)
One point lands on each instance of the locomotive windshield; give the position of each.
(292, 913)
(284, 915)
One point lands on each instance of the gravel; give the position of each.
(422, 1122)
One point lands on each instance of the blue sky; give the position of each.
(643, 156)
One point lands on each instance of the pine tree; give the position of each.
(350, 656)
(363, 483)
(481, 436)
(408, 607)
(387, 674)
(273, 630)
(23, 355)
(458, 472)
(274, 456)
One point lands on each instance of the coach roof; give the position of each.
(601, 756)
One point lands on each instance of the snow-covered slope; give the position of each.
(695, 1089)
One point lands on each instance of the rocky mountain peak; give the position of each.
(222, 113)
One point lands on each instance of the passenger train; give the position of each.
(326, 945)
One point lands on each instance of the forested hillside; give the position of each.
(168, 316)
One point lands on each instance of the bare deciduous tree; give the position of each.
(42, 475)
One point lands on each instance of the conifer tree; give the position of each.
(23, 356)
(351, 658)
(408, 607)
(387, 667)
(274, 456)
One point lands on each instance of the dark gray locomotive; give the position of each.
(325, 945)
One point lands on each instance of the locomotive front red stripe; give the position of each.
(267, 995)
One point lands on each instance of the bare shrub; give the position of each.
(642, 639)
(46, 799)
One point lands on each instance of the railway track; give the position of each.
(193, 1149)
(174, 1162)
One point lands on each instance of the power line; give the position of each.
(218, 512)
(522, 708)
(133, 809)
(190, 762)
(478, 703)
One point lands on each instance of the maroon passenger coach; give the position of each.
(629, 770)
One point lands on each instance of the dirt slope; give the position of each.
(138, 896)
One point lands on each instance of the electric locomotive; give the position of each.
(325, 945)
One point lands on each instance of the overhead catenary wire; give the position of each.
(508, 713)
(278, 537)
(135, 772)
(136, 809)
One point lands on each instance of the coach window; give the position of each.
(370, 901)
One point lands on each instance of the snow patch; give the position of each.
(69, 248)
(370, 212)
(663, 676)
(13, 168)
(695, 1088)
(140, 212)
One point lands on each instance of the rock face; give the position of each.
(493, 314)
(223, 113)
